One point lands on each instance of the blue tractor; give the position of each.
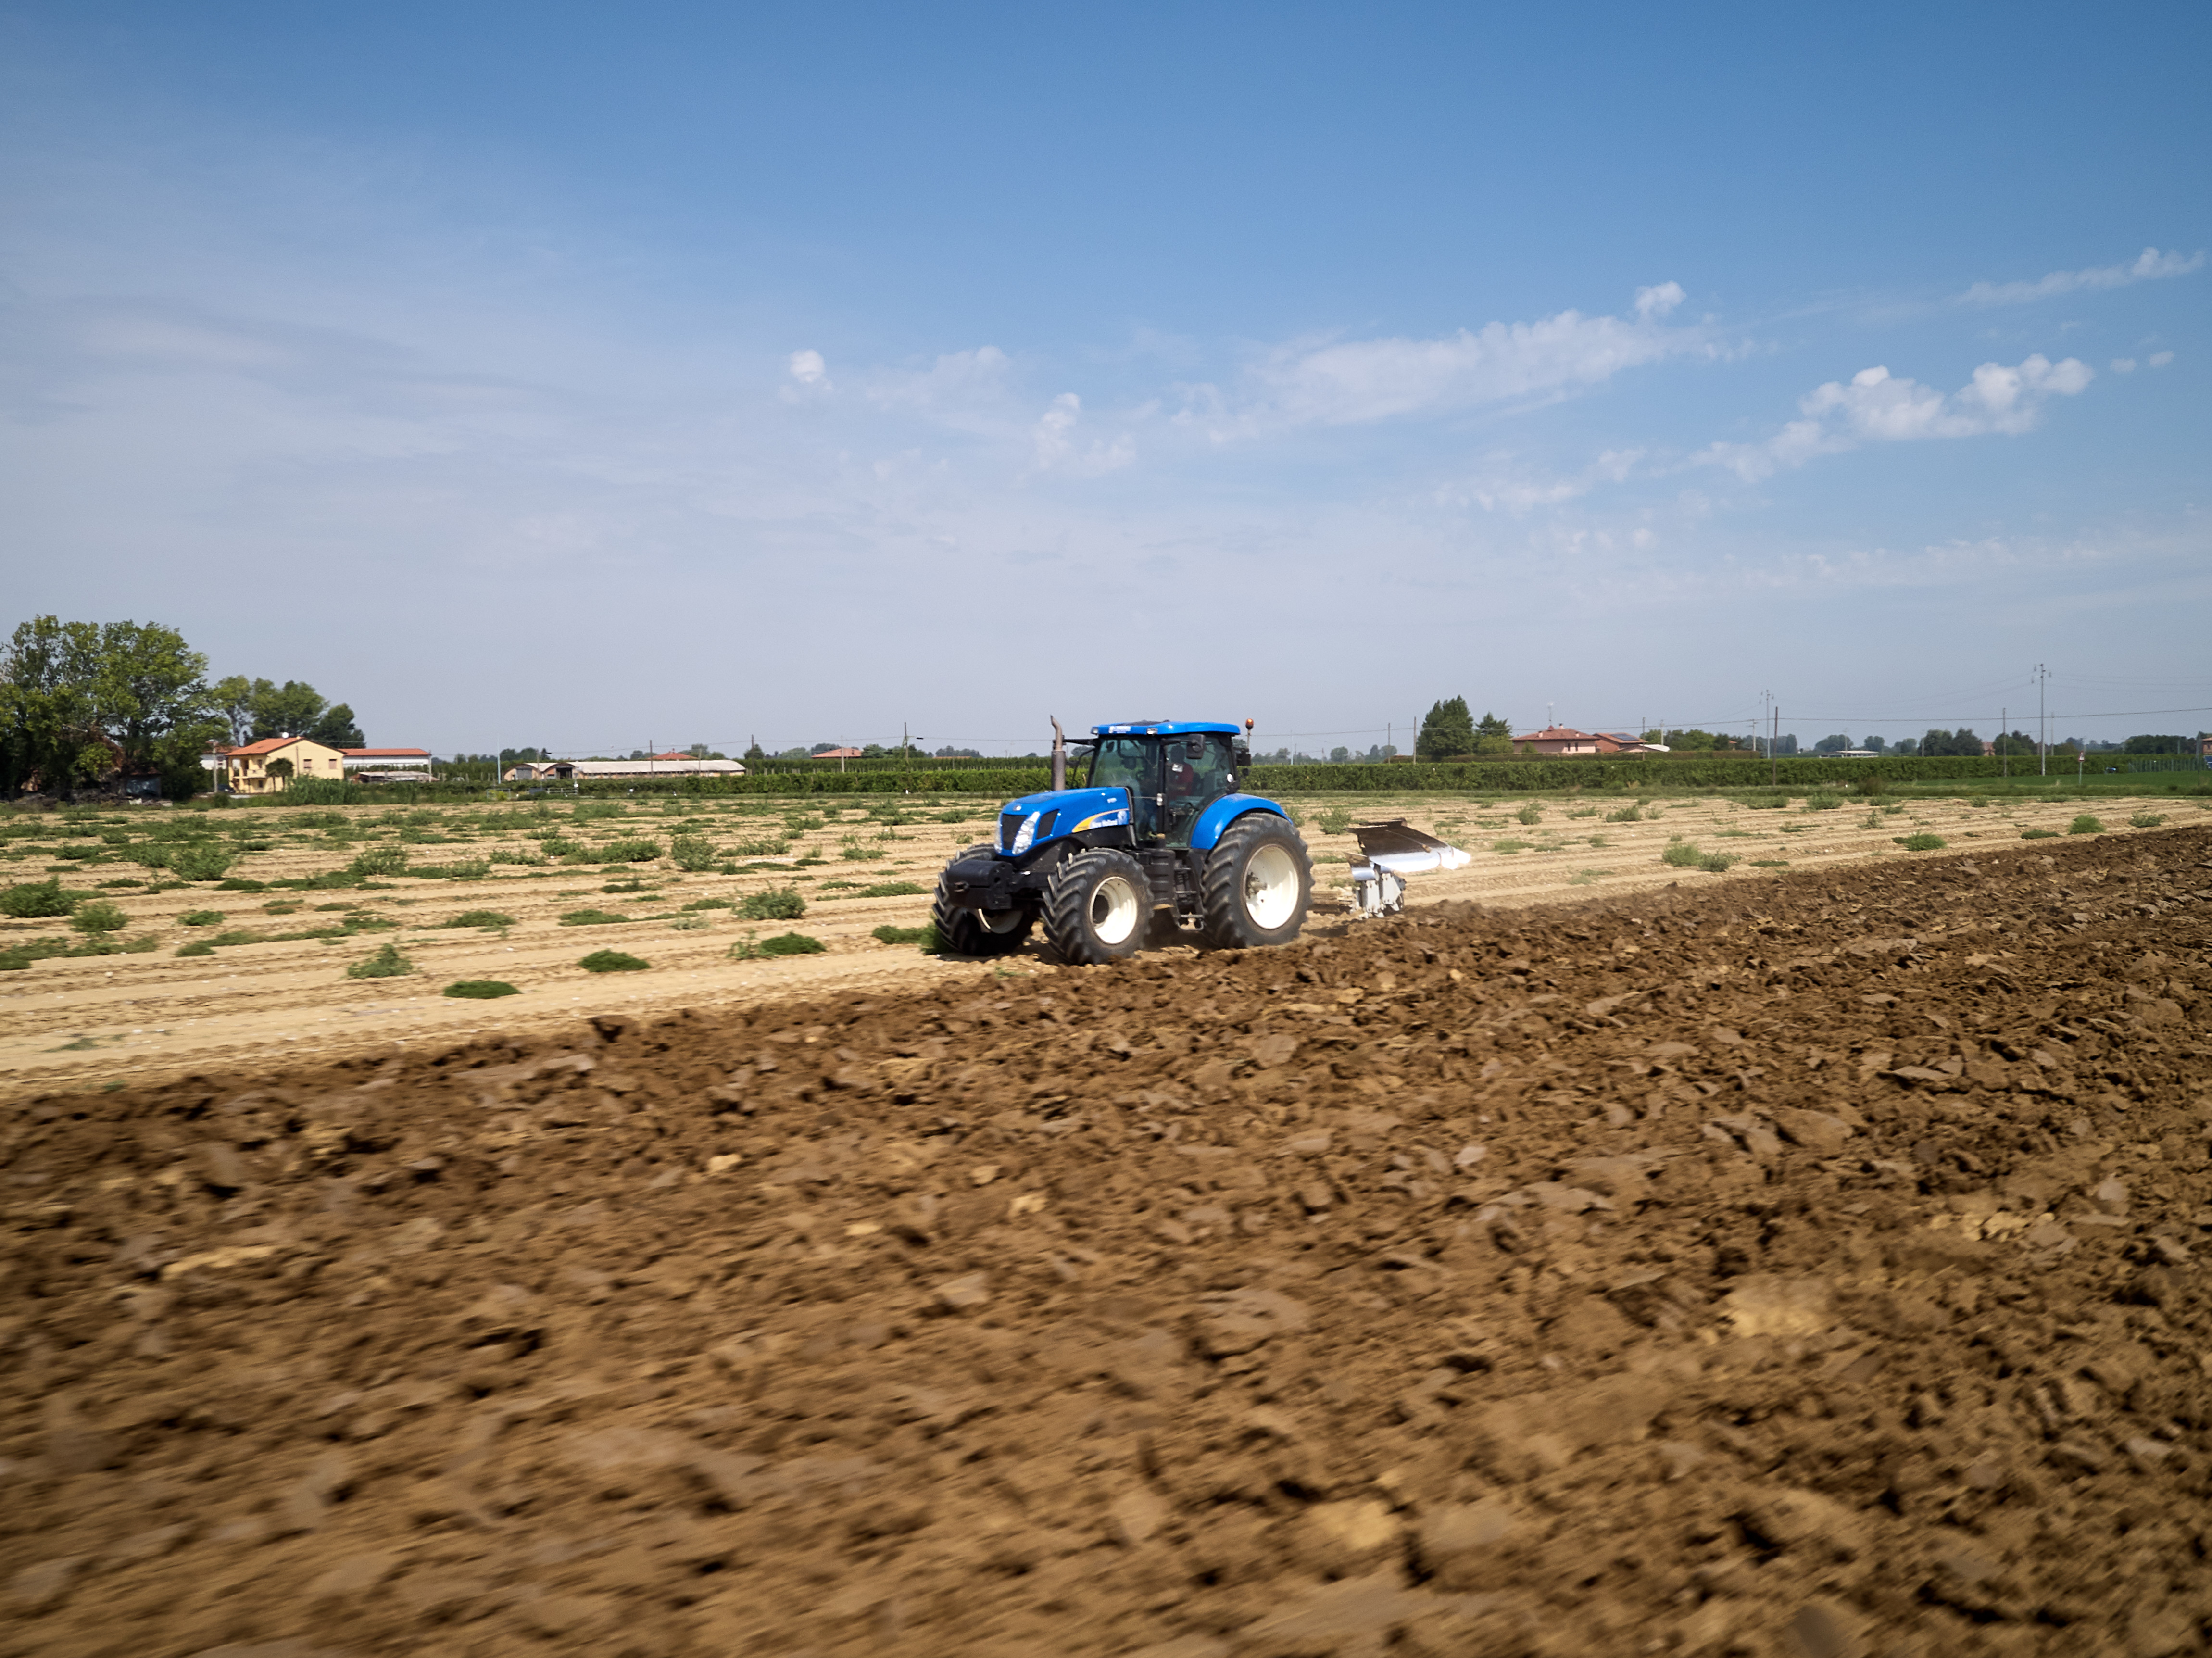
(1157, 845)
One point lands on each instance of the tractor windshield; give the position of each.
(1200, 770)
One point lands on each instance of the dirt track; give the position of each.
(1804, 1266)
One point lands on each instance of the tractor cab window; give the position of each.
(1199, 769)
(1132, 763)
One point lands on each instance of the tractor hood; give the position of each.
(1048, 815)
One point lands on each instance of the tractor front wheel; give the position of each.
(1256, 885)
(975, 933)
(1097, 908)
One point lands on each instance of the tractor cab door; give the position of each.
(1196, 770)
(1132, 763)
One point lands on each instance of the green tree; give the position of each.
(232, 701)
(2019, 742)
(1447, 731)
(150, 683)
(2154, 745)
(336, 728)
(287, 710)
(1835, 744)
(49, 706)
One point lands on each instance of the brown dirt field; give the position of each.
(1807, 1266)
(94, 1021)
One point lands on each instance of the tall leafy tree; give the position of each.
(232, 700)
(148, 685)
(287, 710)
(1448, 731)
(336, 728)
(50, 704)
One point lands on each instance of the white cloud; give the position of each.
(2149, 266)
(2159, 359)
(1876, 407)
(1056, 449)
(1360, 380)
(1504, 484)
(959, 383)
(808, 368)
(2123, 365)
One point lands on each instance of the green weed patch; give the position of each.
(612, 960)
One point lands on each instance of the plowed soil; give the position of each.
(1810, 1265)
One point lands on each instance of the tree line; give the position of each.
(80, 700)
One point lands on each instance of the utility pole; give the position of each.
(2004, 749)
(2042, 725)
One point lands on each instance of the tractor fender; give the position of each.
(1214, 822)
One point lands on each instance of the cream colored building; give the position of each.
(246, 770)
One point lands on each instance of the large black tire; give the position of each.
(1257, 884)
(1098, 907)
(963, 931)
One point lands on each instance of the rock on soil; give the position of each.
(1810, 1267)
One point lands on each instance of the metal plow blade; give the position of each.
(1389, 853)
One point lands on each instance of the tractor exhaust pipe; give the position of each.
(1059, 756)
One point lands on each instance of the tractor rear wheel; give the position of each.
(975, 933)
(1098, 907)
(1256, 885)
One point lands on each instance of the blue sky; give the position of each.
(587, 376)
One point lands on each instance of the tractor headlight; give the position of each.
(1024, 836)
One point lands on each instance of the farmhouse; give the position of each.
(1566, 740)
(269, 766)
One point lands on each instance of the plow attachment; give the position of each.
(1389, 853)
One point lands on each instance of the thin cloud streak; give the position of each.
(2150, 266)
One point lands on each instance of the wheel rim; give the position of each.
(1114, 910)
(1271, 887)
(1000, 921)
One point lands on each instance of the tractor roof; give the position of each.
(1167, 727)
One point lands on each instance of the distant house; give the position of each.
(569, 771)
(387, 759)
(246, 769)
(836, 754)
(1566, 740)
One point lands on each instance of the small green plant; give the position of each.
(853, 849)
(1681, 854)
(1582, 878)
(1530, 812)
(694, 852)
(2146, 820)
(746, 949)
(1632, 813)
(2085, 824)
(1869, 786)
(1715, 863)
(773, 904)
(197, 947)
(99, 916)
(39, 898)
(791, 943)
(710, 903)
(487, 918)
(631, 885)
(1509, 845)
(2038, 835)
(891, 889)
(1770, 863)
(1980, 801)
(387, 964)
(591, 918)
(1920, 842)
(1824, 803)
(200, 918)
(236, 885)
(925, 935)
(1583, 811)
(624, 852)
(379, 860)
(1334, 820)
(760, 849)
(482, 990)
(611, 960)
(200, 860)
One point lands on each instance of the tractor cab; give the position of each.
(1172, 772)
